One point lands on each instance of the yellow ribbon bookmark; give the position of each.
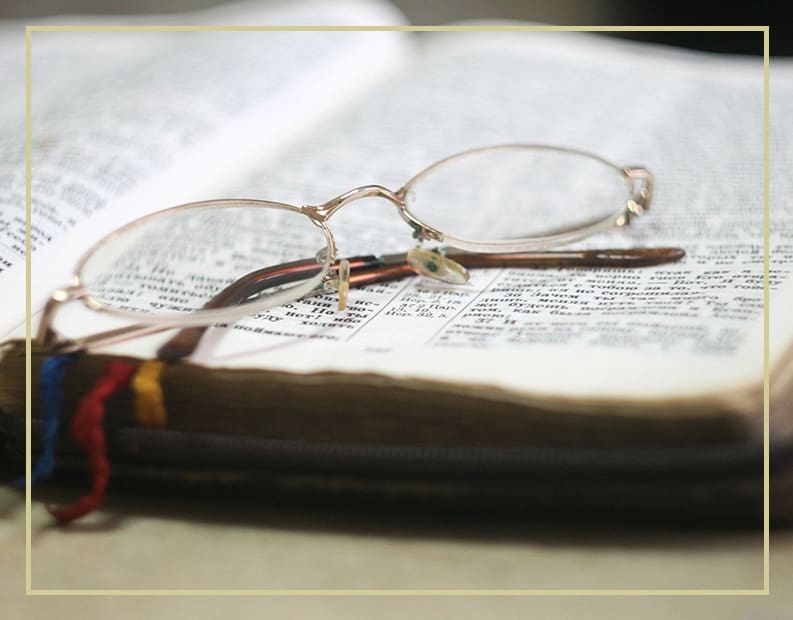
(149, 405)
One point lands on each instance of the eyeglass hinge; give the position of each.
(46, 334)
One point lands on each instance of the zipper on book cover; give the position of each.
(134, 445)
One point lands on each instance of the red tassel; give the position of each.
(88, 432)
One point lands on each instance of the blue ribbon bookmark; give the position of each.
(52, 373)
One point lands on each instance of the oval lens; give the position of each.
(203, 256)
(516, 192)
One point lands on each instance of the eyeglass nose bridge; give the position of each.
(324, 211)
(321, 213)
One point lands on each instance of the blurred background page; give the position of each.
(779, 15)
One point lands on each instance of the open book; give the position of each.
(641, 359)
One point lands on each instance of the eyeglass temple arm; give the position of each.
(373, 269)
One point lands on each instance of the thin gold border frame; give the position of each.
(764, 591)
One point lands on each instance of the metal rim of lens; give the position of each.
(204, 317)
(529, 244)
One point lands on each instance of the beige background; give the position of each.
(145, 542)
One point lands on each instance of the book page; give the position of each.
(161, 118)
(688, 331)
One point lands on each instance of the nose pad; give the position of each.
(344, 283)
(322, 255)
(339, 283)
(433, 264)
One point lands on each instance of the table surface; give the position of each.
(146, 542)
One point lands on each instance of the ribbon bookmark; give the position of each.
(88, 432)
(52, 372)
(149, 404)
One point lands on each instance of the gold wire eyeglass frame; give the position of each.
(331, 274)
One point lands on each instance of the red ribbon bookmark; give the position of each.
(88, 432)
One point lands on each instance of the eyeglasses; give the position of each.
(219, 260)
